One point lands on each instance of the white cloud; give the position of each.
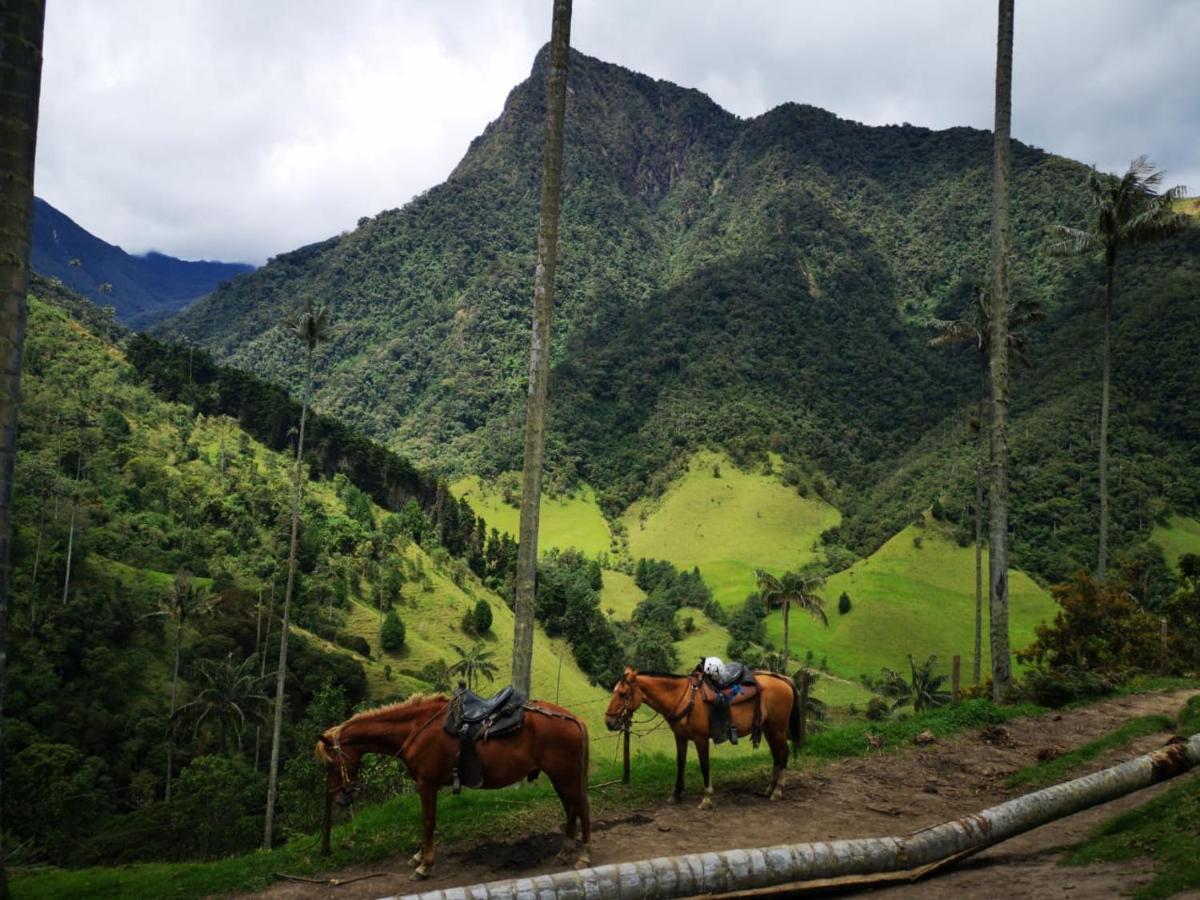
(234, 130)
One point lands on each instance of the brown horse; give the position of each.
(551, 740)
(677, 698)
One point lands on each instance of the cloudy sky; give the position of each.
(237, 129)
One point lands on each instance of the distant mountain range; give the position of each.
(143, 289)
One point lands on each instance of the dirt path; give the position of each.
(886, 794)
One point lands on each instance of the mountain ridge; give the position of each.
(141, 288)
(752, 285)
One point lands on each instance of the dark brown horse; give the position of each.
(678, 699)
(551, 740)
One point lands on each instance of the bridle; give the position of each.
(399, 754)
(628, 707)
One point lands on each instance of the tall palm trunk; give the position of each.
(977, 662)
(273, 772)
(787, 608)
(539, 346)
(262, 670)
(1105, 363)
(21, 26)
(998, 488)
(174, 695)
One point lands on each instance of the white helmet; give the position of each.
(713, 667)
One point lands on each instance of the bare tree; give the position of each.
(539, 345)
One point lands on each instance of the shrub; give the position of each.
(1058, 687)
(844, 603)
(877, 708)
(483, 617)
(393, 633)
(354, 642)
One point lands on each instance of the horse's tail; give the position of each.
(794, 720)
(583, 774)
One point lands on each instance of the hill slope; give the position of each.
(751, 285)
(142, 289)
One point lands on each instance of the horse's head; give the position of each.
(627, 697)
(341, 766)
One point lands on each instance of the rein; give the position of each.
(399, 754)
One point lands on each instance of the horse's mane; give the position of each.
(663, 674)
(378, 712)
(383, 711)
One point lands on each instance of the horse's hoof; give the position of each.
(777, 794)
(584, 862)
(706, 803)
(674, 798)
(421, 872)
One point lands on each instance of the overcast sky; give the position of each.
(238, 129)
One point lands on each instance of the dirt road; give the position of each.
(886, 794)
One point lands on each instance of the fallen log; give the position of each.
(740, 872)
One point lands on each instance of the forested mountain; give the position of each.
(142, 289)
(752, 285)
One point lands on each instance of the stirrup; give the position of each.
(733, 735)
(457, 789)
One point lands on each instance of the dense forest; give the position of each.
(147, 527)
(754, 286)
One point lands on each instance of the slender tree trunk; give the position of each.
(998, 488)
(174, 695)
(37, 558)
(70, 550)
(977, 662)
(539, 347)
(787, 608)
(273, 772)
(21, 26)
(262, 670)
(1105, 363)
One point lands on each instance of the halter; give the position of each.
(670, 718)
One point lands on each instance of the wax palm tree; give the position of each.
(539, 346)
(312, 328)
(230, 697)
(924, 688)
(21, 26)
(184, 599)
(473, 662)
(998, 360)
(973, 327)
(1126, 211)
(792, 589)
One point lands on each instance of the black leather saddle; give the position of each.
(475, 708)
(471, 719)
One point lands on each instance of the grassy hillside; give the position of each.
(728, 522)
(568, 520)
(1181, 535)
(914, 599)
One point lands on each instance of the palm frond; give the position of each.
(1071, 241)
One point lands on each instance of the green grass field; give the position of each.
(909, 599)
(620, 595)
(572, 520)
(1180, 536)
(728, 526)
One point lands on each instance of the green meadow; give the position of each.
(568, 520)
(916, 594)
(728, 525)
(1181, 535)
